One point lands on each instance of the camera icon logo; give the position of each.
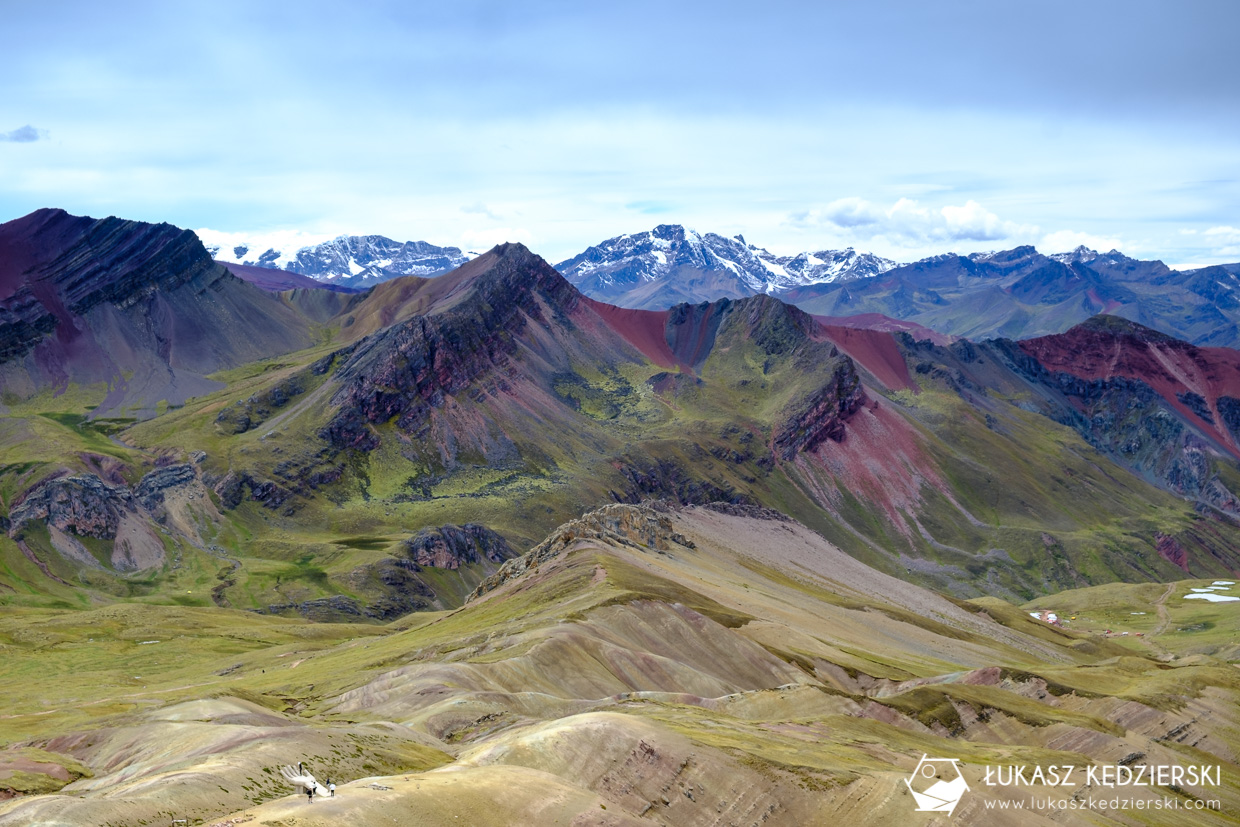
(937, 784)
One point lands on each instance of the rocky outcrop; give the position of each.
(86, 506)
(408, 369)
(1229, 410)
(822, 415)
(150, 489)
(636, 526)
(450, 546)
(751, 512)
(232, 490)
(666, 479)
(245, 414)
(83, 505)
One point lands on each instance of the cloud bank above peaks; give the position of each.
(907, 223)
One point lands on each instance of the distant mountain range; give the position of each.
(1018, 293)
(346, 261)
(671, 264)
(501, 390)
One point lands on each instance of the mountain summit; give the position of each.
(357, 261)
(671, 264)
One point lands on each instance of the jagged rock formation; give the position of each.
(644, 526)
(150, 490)
(449, 546)
(71, 509)
(84, 505)
(822, 415)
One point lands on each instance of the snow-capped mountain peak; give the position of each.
(672, 263)
(1081, 253)
(347, 260)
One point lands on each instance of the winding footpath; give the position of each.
(1164, 620)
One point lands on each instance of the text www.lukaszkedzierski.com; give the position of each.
(1105, 804)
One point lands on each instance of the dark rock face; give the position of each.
(150, 489)
(450, 546)
(140, 307)
(822, 415)
(650, 478)
(1229, 410)
(1196, 403)
(65, 265)
(84, 505)
(232, 491)
(243, 415)
(691, 330)
(672, 383)
(753, 512)
(406, 370)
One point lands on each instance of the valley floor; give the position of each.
(710, 665)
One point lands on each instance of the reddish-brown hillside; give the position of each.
(1201, 383)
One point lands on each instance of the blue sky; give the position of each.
(907, 128)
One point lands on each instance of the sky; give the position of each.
(905, 128)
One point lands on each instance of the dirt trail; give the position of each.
(1164, 620)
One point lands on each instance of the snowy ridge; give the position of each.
(1081, 253)
(347, 260)
(631, 260)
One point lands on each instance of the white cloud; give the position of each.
(1064, 241)
(479, 208)
(24, 135)
(1223, 235)
(907, 223)
(853, 212)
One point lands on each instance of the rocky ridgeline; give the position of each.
(645, 526)
(409, 368)
(83, 262)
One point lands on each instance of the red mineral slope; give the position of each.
(877, 321)
(1107, 347)
(645, 330)
(875, 350)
